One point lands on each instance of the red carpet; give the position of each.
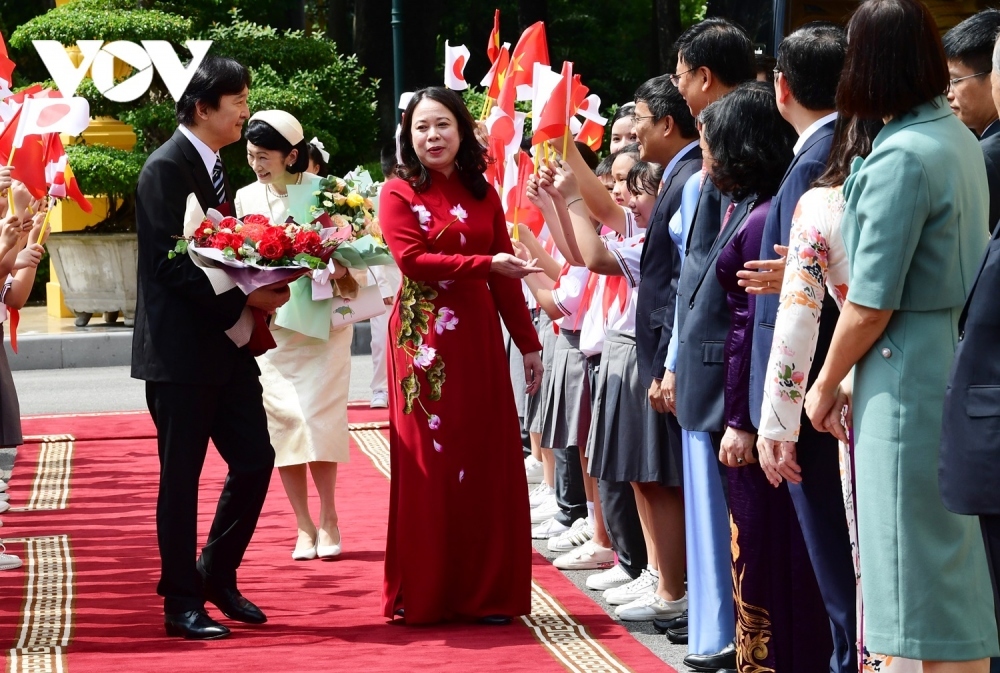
(85, 600)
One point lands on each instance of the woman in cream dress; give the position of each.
(306, 379)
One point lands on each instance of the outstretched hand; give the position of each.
(508, 265)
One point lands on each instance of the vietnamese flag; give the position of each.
(591, 135)
(578, 94)
(517, 207)
(498, 73)
(493, 48)
(553, 122)
(59, 175)
(6, 66)
(495, 163)
(532, 48)
(28, 165)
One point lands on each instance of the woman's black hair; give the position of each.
(852, 137)
(750, 143)
(644, 178)
(604, 168)
(632, 149)
(217, 76)
(264, 136)
(470, 162)
(624, 110)
(589, 155)
(316, 157)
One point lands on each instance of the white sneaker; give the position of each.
(577, 534)
(547, 529)
(9, 561)
(642, 585)
(588, 556)
(380, 400)
(539, 494)
(548, 509)
(650, 607)
(533, 469)
(4, 506)
(4, 497)
(609, 579)
(3, 486)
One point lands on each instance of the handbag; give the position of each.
(367, 304)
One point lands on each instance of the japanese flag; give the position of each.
(52, 115)
(590, 109)
(455, 59)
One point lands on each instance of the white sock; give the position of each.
(590, 514)
(653, 571)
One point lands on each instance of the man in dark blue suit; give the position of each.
(806, 76)
(969, 475)
(969, 48)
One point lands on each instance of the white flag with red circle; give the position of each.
(455, 59)
(52, 115)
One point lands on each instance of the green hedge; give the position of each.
(82, 20)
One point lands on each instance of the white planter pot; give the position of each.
(96, 272)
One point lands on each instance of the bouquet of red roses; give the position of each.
(257, 242)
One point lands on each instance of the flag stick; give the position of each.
(43, 233)
(10, 190)
(565, 142)
(535, 159)
(489, 107)
(514, 231)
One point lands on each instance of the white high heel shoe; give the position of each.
(329, 551)
(306, 554)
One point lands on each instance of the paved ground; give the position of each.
(49, 391)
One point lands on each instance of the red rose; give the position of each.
(254, 218)
(222, 240)
(228, 223)
(275, 243)
(308, 242)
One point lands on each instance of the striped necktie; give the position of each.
(217, 181)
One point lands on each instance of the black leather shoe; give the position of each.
(233, 605)
(678, 636)
(727, 670)
(194, 625)
(712, 662)
(495, 620)
(674, 623)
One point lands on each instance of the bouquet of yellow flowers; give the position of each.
(347, 203)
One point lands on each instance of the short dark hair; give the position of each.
(632, 149)
(387, 157)
(316, 157)
(623, 110)
(721, 46)
(589, 156)
(765, 66)
(604, 168)
(665, 100)
(644, 177)
(217, 76)
(894, 60)
(471, 160)
(852, 137)
(265, 136)
(750, 142)
(971, 42)
(811, 60)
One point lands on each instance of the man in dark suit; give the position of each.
(190, 348)
(969, 49)
(969, 474)
(808, 68)
(713, 58)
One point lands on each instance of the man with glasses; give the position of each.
(969, 50)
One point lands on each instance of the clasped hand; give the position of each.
(737, 448)
(764, 276)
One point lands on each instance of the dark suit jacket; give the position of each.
(807, 165)
(969, 475)
(990, 142)
(180, 322)
(703, 315)
(660, 268)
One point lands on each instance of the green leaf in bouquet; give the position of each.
(302, 259)
(347, 256)
(372, 252)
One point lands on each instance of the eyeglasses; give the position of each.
(953, 82)
(676, 79)
(638, 118)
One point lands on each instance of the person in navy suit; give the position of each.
(808, 68)
(969, 465)
(969, 48)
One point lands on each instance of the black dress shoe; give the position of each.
(726, 670)
(712, 662)
(664, 625)
(233, 605)
(495, 620)
(194, 625)
(678, 636)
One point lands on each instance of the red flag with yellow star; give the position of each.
(493, 48)
(591, 134)
(532, 48)
(498, 73)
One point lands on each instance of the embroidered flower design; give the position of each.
(461, 239)
(424, 357)
(423, 215)
(460, 213)
(434, 421)
(445, 284)
(437, 446)
(461, 476)
(446, 320)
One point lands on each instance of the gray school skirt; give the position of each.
(10, 409)
(629, 440)
(567, 402)
(533, 413)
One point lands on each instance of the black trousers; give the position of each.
(991, 536)
(571, 496)
(819, 507)
(621, 521)
(186, 417)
